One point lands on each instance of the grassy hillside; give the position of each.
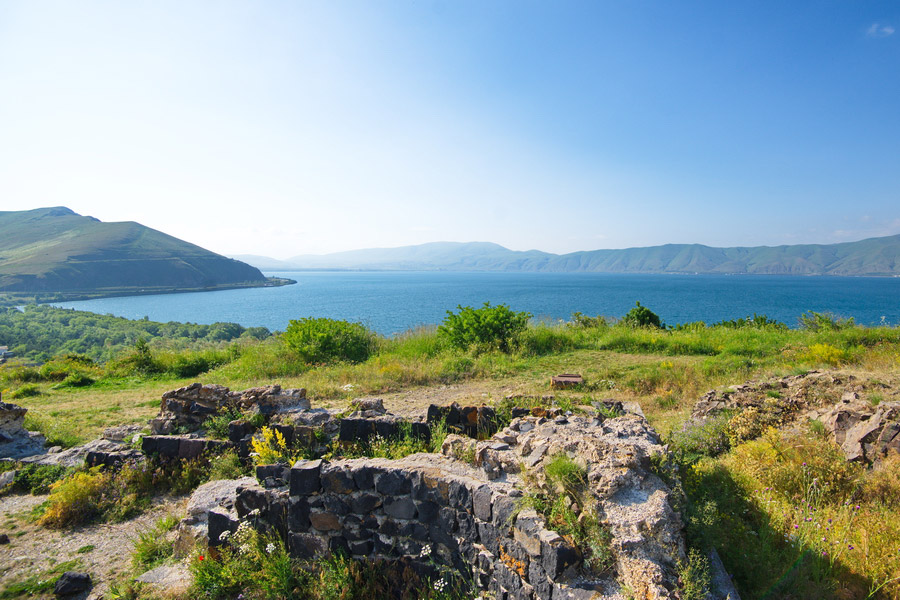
(57, 250)
(875, 256)
(757, 500)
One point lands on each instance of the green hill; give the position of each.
(50, 250)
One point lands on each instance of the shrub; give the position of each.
(754, 322)
(813, 321)
(827, 354)
(140, 361)
(489, 327)
(641, 316)
(77, 379)
(75, 500)
(29, 390)
(272, 448)
(328, 340)
(152, 547)
(37, 479)
(581, 321)
(701, 439)
(227, 465)
(693, 576)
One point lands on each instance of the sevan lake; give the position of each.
(392, 302)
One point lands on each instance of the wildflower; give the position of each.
(244, 549)
(253, 512)
(201, 557)
(850, 546)
(796, 527)
(440, 584)
(224, 535)
(856, 507)
(426, 550)
(270, 548)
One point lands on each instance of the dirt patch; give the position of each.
(105, 548)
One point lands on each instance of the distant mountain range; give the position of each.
(874, 256)
(49, 250)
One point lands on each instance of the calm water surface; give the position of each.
(392, 302)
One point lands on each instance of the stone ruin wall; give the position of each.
(467, 515)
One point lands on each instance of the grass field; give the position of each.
(752, 502)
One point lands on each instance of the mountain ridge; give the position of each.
(879, 256)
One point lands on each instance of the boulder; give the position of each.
(15, 441)
(74, 457)
(71, 583)
(210, 496)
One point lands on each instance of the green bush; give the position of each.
(641, 316)
(488, 327)
(77, 379)
(37, 479)
(328, 340)
(813, 321)
(28, 390)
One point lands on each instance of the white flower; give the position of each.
(270, 548)
(244, 549)
(440, 584)
(426, 550)
(348, 387)
(253, 512)
(224, 535)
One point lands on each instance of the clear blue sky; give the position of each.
(283, 128)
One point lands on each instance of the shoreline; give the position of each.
(18, 298)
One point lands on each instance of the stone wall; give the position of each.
(470, 517)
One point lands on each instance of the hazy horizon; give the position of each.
(288, 128)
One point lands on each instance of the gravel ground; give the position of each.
(33, 549)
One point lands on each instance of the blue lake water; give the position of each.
(392, 302)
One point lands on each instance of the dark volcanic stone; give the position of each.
(168, 446)
(307, 545)
(487, 534)
(556, 558)
(305, 477)
(72, 582)
(364, 477)
(338, 544)
(481, 503)
(362, 548)
(504, 506)
(365, 503)
(336, 506)
(400, 508)
(337, 481)
(219, 522)
(249, 499)
(239, 429)
(392, 483)
(428, 511)
(460, 496)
